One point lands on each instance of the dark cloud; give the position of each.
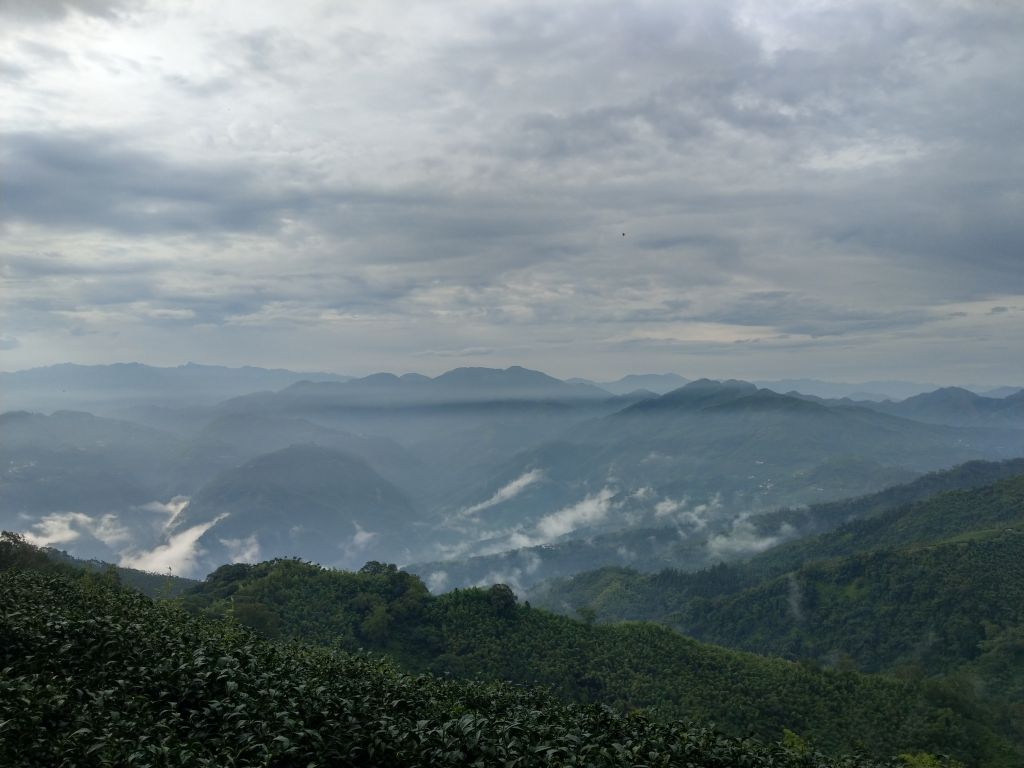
(94, 181)
(794, 313)
(35, 11)
(458, 353)
(19, 266)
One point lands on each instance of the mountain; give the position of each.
(459, 385)
(107, 388)
(462, 425)
(485, 634)
(108, 488)
(75, 431)
(679, 544)
(15, 551)
(67, 473)
(935, 587)
(229, 440)
(496, 460)
(707, 450)
(937, 506)
(867, 390)
(303, 501)
(513, 382)
(933, 606)
(999, 392)
(959, 407)
(658, 383)
(932, 589)
(212, 693)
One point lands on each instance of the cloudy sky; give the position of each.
(830, 189)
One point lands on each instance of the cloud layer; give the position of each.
(722, 188)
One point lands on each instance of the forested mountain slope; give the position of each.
(654, 548)
(933, 607)
(97, 675)
(730, 444)
(934, 588)
(484, 633)
(897, 517)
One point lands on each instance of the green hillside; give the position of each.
(619, 593)
(486, 634)
(155, 585)
(94, 675)
(931, 606)
(932, 589)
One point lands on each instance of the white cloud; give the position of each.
(506, 492)
(642, 494)
(743, 539)
(64, 527)
(593, 509)
(358, 543)
(245, 550)
(110, 530)
(57, 529)
(179, 554)
(361, 538)
(172, 509)
(437, 581)
(667, 506)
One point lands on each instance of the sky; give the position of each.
(715, 188)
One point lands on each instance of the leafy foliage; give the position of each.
(93, 675)
(479, 633)
(932, 591)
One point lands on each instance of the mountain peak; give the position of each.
(701, 393)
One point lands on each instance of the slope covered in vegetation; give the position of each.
(485, 634)
(96, 675)
(692, 547)
(929, 589)
(619, 593)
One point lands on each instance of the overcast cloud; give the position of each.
(806, 188)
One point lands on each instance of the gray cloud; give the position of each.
(820, 187)
(35, 11)
(93, 181)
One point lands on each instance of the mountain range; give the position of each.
(477, 462)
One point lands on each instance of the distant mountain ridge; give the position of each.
(658, 383)
(495, 459)
(458, 384)
(119, 385)
(958, 407)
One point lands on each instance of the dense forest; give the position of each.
(484, 633)
(931, 590)
(96, 674)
